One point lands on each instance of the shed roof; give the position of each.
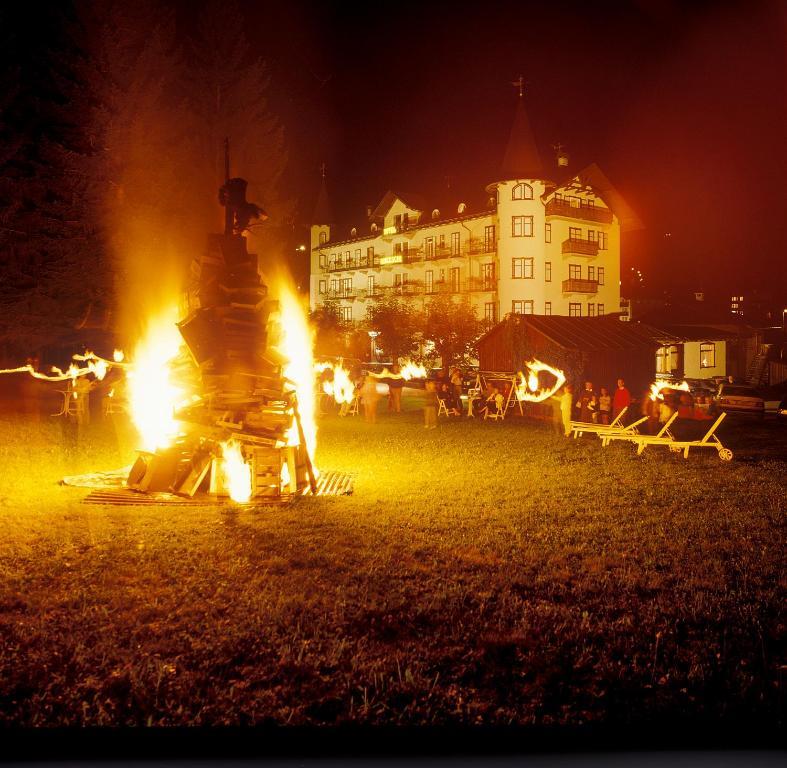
(591, 333)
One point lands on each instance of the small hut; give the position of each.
(597, 349)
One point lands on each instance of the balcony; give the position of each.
(583, 213)
(481, 284)
(364, 262)
(340, 293)
(477, 247)
(573, 285)
(575, 246)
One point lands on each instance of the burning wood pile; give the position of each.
(241, 433)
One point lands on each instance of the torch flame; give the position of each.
(237, 473)
(341, 388)
(657, 386)
(527, 389)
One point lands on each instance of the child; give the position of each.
(604, 406)
(430, 405)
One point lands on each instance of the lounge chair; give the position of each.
(676, 446)
(580, 427)
(632, 434)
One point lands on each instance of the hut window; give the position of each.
(708, 354)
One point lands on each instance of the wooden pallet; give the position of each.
(328, 484)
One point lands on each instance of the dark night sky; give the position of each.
(681, 104)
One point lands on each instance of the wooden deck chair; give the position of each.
(632, 433)
(580, 427)
(443, 406)
(663, 434)
(676, 446)
(352, 408)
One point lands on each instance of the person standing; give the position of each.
(456, 383)
(604, 406)
(430, 405)
(587, 404)
(566, 401)
(621, 399)
(395, 386)
(369, 398)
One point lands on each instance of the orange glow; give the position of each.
(657, 386)
(236, 472)
(341, 388)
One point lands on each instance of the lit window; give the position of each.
(707, 354)
(322, 260)
(522, 192)
(521, 226)
(323, 238)
(575, 309)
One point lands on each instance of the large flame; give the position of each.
(296, 345)
(341, 388)
(527, 389)
(151, 395)
(237, 473)
(657, 386)
(407, 370)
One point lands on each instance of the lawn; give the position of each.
(482, 573)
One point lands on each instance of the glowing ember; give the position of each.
(657, 386)
(296, 345)
(237, 473)
(152, 396)
(526, 388)
(341, 388)
(410, 370)
(96, 366)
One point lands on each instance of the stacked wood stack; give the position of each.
(243, 395)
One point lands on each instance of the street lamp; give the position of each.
(372, 336)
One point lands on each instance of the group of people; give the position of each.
(590, 406)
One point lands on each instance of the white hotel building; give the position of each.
(538, 246)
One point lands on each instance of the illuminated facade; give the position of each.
(536, 247)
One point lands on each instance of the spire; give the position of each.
(322, 211)
(521, 160)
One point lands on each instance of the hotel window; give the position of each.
(602, 241)
(666, 359)
(398, 221)
(600, 308)
(574, 272)
(489, 238)
(528, 309)
(522, 192)
(347, 258)
(547, 307)
(429, 281)
(347, 286)
(370, 285)
(707, 354)
(405, 220)
(399, 281)
(358, 257)
(575, 309)
(442, 242)
(429, 247)
(323, 286)
(547, 233)
(346, 314)
(547, 271)
(336, 260)
(574, 233)
(455, 279)
(323, 238)
(455, 244)
(592, 235)
(370, 255)
(591, 273)
(334, 286)
(601, 275)
(521, 226)
(490, 314)
(517, 269)
(397, 249)
(322, 260)
(591, 309)
(518, 307)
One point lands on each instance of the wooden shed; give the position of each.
(597, 349)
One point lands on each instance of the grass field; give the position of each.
(482, 573)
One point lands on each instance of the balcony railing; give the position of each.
(581, 247)
(364, 262)
(481, 284)
(475, 247)
(585, 212)
(573, 285)
(340, 293)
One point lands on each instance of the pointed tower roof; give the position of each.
(521, 160)
(322, 211)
